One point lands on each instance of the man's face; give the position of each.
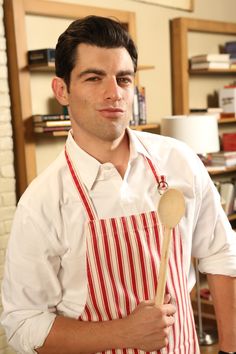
(101, 92)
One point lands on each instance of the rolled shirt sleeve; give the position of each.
(218, 254)
(31, 289)
(214, 240)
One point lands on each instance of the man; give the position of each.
(84, 253)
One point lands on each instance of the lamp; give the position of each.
(200, 132)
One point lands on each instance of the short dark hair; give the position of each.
(94, 30)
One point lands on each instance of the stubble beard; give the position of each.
(112, 131)
(100, 129)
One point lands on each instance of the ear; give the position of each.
(60, 90)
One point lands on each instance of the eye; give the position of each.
(93, 78)
(124, 80)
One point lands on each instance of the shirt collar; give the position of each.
(136, 146)
(87, 167)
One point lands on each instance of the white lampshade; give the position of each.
(200, 132)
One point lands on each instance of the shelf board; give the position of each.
(42, 67)
(206, 315)
(232, 217)
(227, 120)
(220, 171)
(51, 67)
(180, 29)
(145, 67)
(144, 127)
(212, 71)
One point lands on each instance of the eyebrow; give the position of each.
(103, 72)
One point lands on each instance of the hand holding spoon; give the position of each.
(171, 209)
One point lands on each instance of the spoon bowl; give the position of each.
(171, 208)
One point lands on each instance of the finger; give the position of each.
(170, 321)
(169, 310)
(167, 322)
(167, 299)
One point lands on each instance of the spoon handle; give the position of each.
(165, 250)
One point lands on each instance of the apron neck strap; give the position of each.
(162, 184)
(91, 213)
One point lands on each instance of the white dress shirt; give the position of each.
(45, 271)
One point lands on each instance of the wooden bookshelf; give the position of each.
(180, 29)
(181, 75)
(212, 71)
(51, 67)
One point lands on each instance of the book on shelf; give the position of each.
(227, 192)
(135, 110)
(53, 123)
(229, 141)
(41, 56)
(210, 65)
(227, 115)
(215, 57)
(139, 116)
(142, 106)
(216, 168)
(215, 110)
(230, 86)
(206, 111)
(230, 47)
(49, 117)
(224, 158)
(227, 98)
(232, 56)
(39, 129)
(232, 59)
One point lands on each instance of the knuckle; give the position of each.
(166, 332)
(171, 320)
(164, 342)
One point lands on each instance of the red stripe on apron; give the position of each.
(131, 261)
(81, 189)
(154, 269)
(141, 257)
(109, 264)
(100, 276)
(120, 265)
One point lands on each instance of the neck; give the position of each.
(116, 151)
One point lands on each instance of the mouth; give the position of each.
(111, 112)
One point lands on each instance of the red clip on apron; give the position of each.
(123, 258)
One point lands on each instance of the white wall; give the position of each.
(153, 40)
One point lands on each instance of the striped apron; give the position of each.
(123, 258)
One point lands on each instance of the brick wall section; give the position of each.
(7, 178)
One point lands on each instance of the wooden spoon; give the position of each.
(171, 208)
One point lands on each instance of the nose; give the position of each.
(112, 90)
